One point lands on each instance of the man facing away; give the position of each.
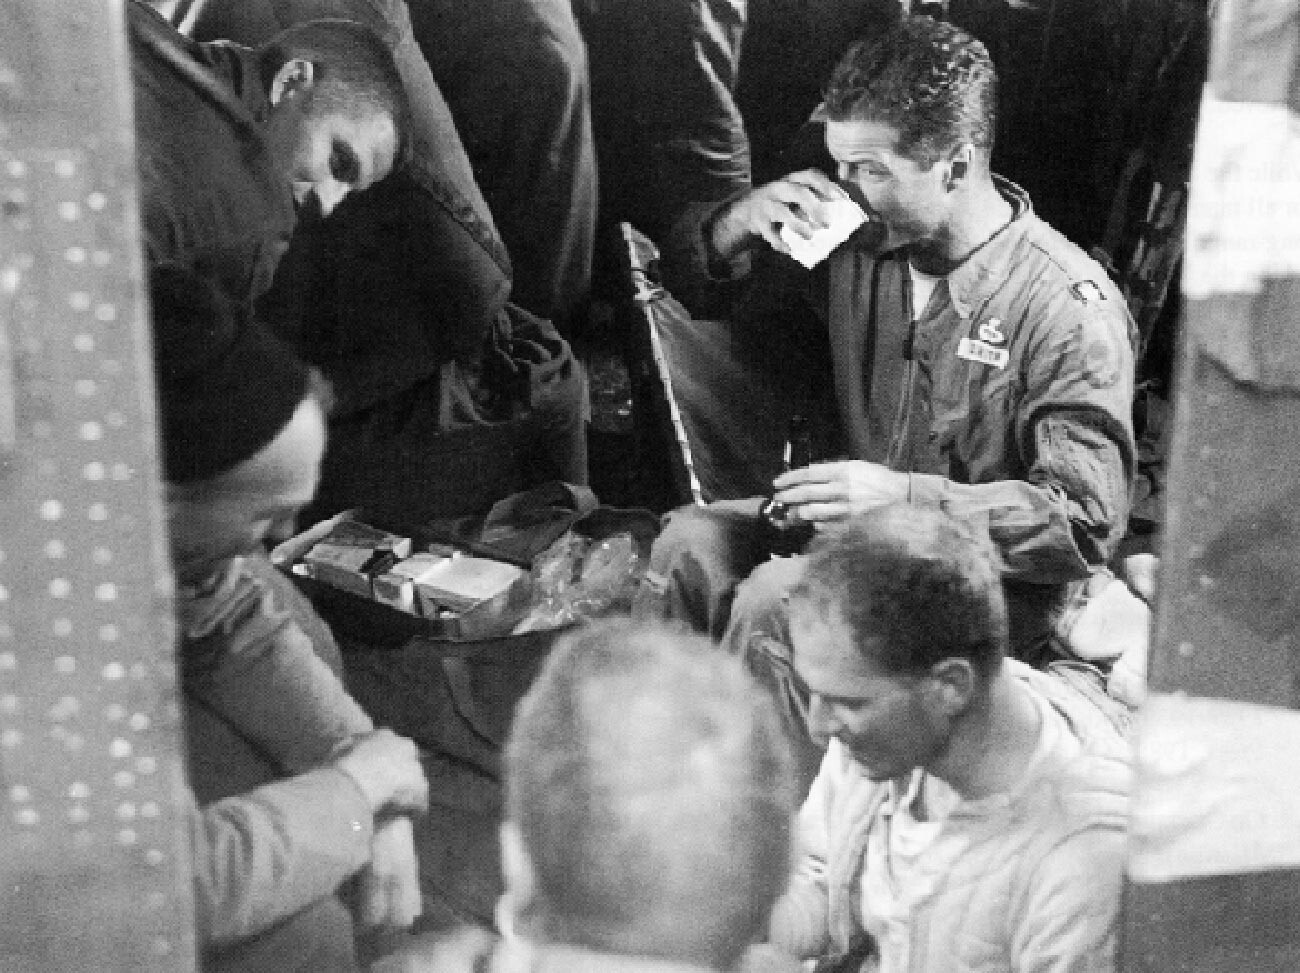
(649, 804)
(981, 363)
(969, 815)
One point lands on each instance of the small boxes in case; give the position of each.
(397, 585)
(464, 582)
(353, 533)
(346, 567)
(374, 583)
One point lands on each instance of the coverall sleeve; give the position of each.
(257, 668)
(1068, 917)
(1074, 434)
(260, 857)
(693, 271)
(800, 922)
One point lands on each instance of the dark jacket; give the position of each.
(212, 202)
(449, 396)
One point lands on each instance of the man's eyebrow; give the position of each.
(861, 155)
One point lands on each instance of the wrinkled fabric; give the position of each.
(1041, 448)
(523, 525)
(212, 201)
(267, 863)
(1039, 451)
(667, 125)
(449, 396)
(421, 245)
(457, 710)
(514, 73)
(245, 659)
(1036, 888)
(465, 437)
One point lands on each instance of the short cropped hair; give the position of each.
(914, 586)
(931, 81)
(356, 73)
(654, 792)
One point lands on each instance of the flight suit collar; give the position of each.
(984, 271)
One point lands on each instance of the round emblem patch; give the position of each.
(1100, 364)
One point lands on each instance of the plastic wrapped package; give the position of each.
(579, 578)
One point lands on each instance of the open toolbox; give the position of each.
(473, 625)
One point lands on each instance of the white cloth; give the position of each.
(923, 285)
(908, 850)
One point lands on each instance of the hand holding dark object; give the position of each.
(825, 492)
(790, 535)
(386, 767)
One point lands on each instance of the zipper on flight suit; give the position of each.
(902, 418)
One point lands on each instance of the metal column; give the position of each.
(93, 852)
(1215, 861)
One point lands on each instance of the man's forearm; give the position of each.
(261, 856)
(725, 236)
(1029, 523)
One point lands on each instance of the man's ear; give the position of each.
(960, 165)
(293, 78)
(953, 684)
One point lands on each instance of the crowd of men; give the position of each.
(369, 228)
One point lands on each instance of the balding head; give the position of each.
(652, 792)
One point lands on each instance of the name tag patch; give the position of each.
(983, 353)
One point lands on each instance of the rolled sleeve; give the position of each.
(800, 921)
(262, 856)
(251, 663)
(1075, 423)
(692, 268)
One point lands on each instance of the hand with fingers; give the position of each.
(387, 891)
(827, 492)
(797, 201)
(386, 767)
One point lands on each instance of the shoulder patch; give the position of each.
(1101, 363)
(1087, 291)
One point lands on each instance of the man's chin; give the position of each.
(875, 769)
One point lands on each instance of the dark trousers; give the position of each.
(668, 131)
(515, 75)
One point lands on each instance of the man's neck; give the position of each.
(976, 220)
(994, 743)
